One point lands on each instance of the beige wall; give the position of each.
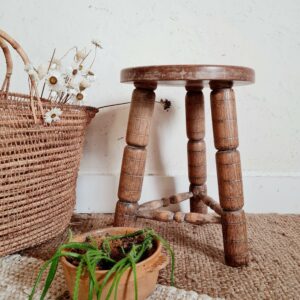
(264, 35)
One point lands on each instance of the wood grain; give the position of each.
(230, 179)
(132, 174)
(168, 216)
(196, 150)
(125, 211)
(134, 156)
(224, 119)
(229, 173)
(188, 75)
(140, 116)
(235, 238)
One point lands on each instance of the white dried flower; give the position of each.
(56, 64)
(31, 72)
(42, 71)
(91, 77)
(96, 43)
(74, 70)
(55, 81)
(73, 85)
(80, 97)
(52, 115)
(69, 72)
(80, 55)
(28, 67)
(84, 84)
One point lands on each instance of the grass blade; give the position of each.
(77, 280)
(133, 266)
(50, 277)
(113, 285)
(109, 273)
(91, 288)
(39, 277)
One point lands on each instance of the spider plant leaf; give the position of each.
(113, 285)
(109, 273)
(133, 266)
(119, 276)
(122, 236)
(51, 275)
(77, 280)
(91, 266)
(71, 254)
(39, 277)
(106, 246)
(91, 287)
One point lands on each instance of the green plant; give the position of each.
(89, 255)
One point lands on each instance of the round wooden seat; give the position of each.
(188, 75)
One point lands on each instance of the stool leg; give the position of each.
(134, 157)
(195, 130)
(229, 174)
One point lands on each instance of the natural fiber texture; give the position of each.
(17, 275)
(39, 162)
(273, 273)
(38, 171)
(171, 293)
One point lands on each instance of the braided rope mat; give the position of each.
(17, 275)
(274, 271)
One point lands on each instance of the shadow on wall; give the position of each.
(161, 121)
(100, 167)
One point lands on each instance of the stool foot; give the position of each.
(125, 211)
(235, 238)
(229, 174)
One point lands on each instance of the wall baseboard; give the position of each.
(279, 193)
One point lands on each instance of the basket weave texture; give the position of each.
(38, 168)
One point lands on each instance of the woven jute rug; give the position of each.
(273, 273)
(17, 276)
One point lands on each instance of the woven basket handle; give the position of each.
(9, 66)
(23, 55)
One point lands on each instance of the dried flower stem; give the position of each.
(49, 96)
(117, 104)
(68, 52)
(95, 55)
(48, 71)
(85, 57)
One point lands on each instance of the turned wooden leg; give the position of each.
(229, 174)
(134, 157)
(195, 129)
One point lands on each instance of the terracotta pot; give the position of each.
(147, 271)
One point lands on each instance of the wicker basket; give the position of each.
(39, 163)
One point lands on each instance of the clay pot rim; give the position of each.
(97, 231)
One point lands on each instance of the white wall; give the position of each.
(264, 35)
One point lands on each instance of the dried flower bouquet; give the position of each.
(65, 84)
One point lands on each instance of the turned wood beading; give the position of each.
(179, 217)
(196, 151)
(134, 157)
(229, 173)
(229, 211)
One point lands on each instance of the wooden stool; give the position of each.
(223, 110)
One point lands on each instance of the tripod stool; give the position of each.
(194, 78)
